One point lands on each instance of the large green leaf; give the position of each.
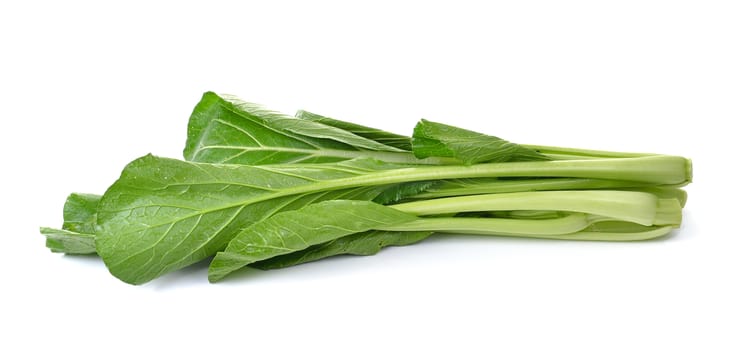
(295, 230)
(164, 214)
(224, 129)
(431, 139)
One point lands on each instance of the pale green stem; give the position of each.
(571, 223)
(656, 170)
(464, 188)
(638, 207)
(650, 232)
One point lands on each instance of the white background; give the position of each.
(88, 86)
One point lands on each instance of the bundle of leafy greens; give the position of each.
(267, 190)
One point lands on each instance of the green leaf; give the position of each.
(224, 129)
(80, 211)
(296, 230)
(378, 135)
(432, 139)
(397, 192)
(363, 243)
(463, 187)
(77, 235)
(164, 214)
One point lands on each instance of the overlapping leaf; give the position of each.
(363, 243)
(431, 139)
(224, 129)
(296, 230)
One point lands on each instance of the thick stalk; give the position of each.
(571, 223)
(482, 186)
(575, 226)
(594, 235)
(655, 170)
(637, 207)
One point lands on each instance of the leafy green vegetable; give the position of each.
(164, 214)
(261, 125)
(296, 230)
(264, 189)
(226, 124)
(432, 139)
